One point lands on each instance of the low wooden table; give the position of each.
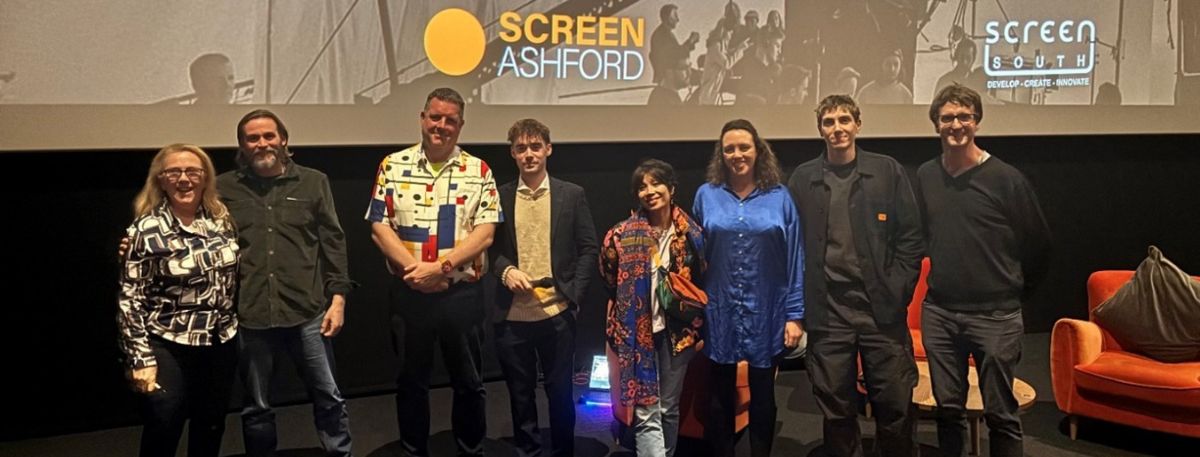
(923, 398)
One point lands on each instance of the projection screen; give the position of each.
(123, 74)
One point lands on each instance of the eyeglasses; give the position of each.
(963, 118)
(174, 174)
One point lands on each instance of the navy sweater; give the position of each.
(988, 240)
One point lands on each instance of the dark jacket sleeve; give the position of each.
(502, 252)
(586, 248)
(500, 248)
(333, 243)
(909, 241)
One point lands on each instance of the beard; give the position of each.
(267, 160)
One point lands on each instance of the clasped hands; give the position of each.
(425, 277)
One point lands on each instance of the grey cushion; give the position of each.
(1157, 313)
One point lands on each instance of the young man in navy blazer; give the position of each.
(545, 254)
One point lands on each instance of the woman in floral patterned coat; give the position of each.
(652, 328)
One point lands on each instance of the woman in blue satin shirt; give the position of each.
(754, 280)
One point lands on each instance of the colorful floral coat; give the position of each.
(625, 265)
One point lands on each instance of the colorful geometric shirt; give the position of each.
(432, 212)
(177, 283)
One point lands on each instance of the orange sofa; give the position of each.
(1094, 377)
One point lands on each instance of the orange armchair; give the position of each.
(914, 314)
(1094, 377)
(914, 310)
(695, 398)
(914, 326)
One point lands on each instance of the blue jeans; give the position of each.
(312, 354)
(656, 427)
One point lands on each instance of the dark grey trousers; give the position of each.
(889, 373)
(993, 338)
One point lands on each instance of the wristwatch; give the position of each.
(447, 267)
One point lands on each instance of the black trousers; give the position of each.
(519, 347)
(889, 372)
(994, 339)
(451, 319)
(196, 382)
(719, 429)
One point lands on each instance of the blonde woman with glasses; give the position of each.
(176, 314)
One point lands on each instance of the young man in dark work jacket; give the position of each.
(988, 245)
(862, 232)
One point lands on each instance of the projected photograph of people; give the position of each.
(596, 52)
(127, 52)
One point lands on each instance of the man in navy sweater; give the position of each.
(988, 244)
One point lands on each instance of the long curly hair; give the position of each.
(767, 173)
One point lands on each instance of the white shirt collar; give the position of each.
(545, 185)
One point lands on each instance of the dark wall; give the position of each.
(1106, 198)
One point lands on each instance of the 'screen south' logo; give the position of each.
(1080, 35)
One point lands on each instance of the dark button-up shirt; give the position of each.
(293, 247)
(755, 277)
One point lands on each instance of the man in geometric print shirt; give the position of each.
(433, 213)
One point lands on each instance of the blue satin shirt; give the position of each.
(755, 276)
